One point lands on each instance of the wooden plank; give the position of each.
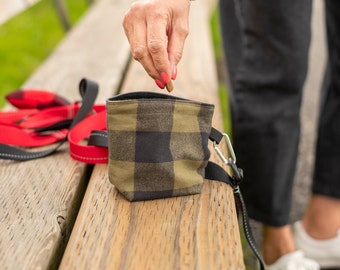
(40, 198)
(190, 232)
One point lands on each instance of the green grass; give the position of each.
(218, 52)
(28, 38)
(216, 35)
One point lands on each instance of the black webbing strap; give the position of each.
(242, 211)
(217, 173)
(88, 91)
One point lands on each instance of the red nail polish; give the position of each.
(174, 73)
(165, 77)
(160, 84)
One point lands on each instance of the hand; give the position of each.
(156, 30)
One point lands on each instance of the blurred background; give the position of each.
(309, 116)
(29, 31)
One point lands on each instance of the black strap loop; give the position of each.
(98, 138)
(215, 135)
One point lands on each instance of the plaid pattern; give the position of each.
(158, 145)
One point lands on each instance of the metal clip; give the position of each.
(231, 162)
(232, 159)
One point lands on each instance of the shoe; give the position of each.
(294, 261)
(325, 252)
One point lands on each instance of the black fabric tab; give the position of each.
(98, 138)
(215, 135)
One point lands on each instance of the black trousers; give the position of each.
(266, 45)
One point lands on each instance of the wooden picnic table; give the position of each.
(60, 213)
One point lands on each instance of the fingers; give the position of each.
(157, 43)
(135, 29)
(140, 51)
(147, 37)
(176, 44)
(156, 30)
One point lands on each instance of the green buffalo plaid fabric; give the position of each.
(158, 145)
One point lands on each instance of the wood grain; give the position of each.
(190, 232)
(39, 199)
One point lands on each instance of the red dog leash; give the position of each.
(43, 118)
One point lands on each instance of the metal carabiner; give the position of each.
(230, 150)
(231, 162)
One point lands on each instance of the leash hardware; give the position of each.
(236, 179)
(231, 162)
(232, 159)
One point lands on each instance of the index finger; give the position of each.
(134, 24)
(157, 42)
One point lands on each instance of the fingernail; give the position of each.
(165, 77)
(174, 73)
(160, 84)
